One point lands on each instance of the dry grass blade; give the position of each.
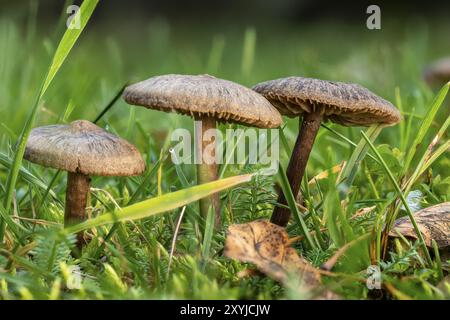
(324, 174)
(267, 246)
(363, 211)
(174, 240)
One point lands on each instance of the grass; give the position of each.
(61, 53)
(130, 259)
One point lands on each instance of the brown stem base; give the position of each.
(77, 194)
(297, 164)
(207, 168)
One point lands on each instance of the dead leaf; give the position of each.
(266, 245)
(433, 223)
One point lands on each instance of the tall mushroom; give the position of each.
(316, 101)
(82, 149)
(207, 99)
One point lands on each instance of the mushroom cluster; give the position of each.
(83, 149)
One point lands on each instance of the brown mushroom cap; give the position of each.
(82, 147)
(433, 223)
(204, 95)
(438, 72)
(343, 103)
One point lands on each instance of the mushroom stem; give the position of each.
(77, 194)
(297, 164)
(207, 171)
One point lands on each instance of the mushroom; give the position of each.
(207, 99)
(82, 149)
(316, 101)
(438, 73)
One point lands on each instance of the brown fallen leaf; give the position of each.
(267, 246)
(433, 223)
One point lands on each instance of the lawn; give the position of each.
(138, 258)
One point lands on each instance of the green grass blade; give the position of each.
(429, 156)
(352, 165)
(164, 203)
(9, 131)
(66, 44)
(285, 143)
(425, 126)
(25, 174)
(207, 237)
(111, 103)
(181, 176)
(229, 159)
(15, 227)
(344, 138)
(334, 216)
(438, 259)
(70, 108)
(148, 175)
(287, 191)
(439, 151)
(68, 41)
(248, 53)
(48, 190)
(402, 197)
(17, 161)
(401, 125)
(216, 54)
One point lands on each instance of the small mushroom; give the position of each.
(438, 73)
(82, 149)
(316, 101)
(433, 223)
(207, 99)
